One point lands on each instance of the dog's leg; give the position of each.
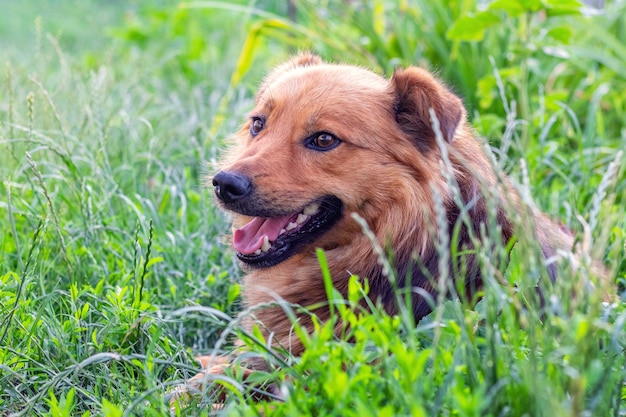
(211, 365)
(217, 365)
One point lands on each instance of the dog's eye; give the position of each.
(323, 142)
(256, 126)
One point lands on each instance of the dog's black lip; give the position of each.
(287, 245)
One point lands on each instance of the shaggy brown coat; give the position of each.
(387, 168)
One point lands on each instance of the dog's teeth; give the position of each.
(291, 226)
(266, 244)
(311, 209)
(301, 218)
(257, 252)
(282, 232)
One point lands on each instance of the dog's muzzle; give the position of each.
(231, 187)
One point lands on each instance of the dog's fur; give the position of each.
(387, 168)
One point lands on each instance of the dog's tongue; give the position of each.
(249, 238)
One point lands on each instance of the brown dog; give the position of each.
(325, 141)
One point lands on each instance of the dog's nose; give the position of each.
(230, 186)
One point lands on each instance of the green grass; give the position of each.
(114, 265)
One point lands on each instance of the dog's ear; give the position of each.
(415, 91)
(303, 59)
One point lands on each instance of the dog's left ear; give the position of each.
(415, 91)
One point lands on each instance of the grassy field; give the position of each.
(114, 266)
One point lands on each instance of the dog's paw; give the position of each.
(202, 384)
(218, 372)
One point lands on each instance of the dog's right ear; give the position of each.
(303, 59)
(415, 92)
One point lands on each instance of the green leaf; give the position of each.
(512, 7)
(378, 18)
(472, 28)
(250, 46)
(111, 410)
(562, 7)
(531, 5)
(233, 292)
(486, 90)
(337, 385)
(153, 261)
(561, 34)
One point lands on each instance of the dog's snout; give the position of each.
(230, 186)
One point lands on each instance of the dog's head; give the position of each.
(325, 140)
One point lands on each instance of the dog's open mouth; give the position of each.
(267, 241)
